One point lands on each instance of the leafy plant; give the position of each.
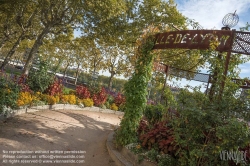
(82, 92)
(119, 100)
(39, 80)
(56, 88)
(114, 107)
(48, 99)
(8, 94)
(25, 98)
(100, 97)
(136, 89)
(22, 82)
(155, 113)
(160, 136)
(70, 99)
(88, 102)
(206, 128)
(66, 91)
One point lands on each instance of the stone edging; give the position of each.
(12, 113)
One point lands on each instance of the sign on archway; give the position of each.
(229, 41)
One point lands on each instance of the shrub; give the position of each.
(114, 107)
(66, 91)
(100, 98)
(154, 113)
(122, 107)
(56, 88)
(72, 92)
(82, 92)
(159, 137)
(9, 93)
(49, 99)
(110, 99)
(205, 128)
(119, 99)
(22, 82)
(88, 102)
(70, 99)
(25, 98)
(39, 80)
(107, 104)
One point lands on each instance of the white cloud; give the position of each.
(209, 13)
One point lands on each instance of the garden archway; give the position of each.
(136, 89)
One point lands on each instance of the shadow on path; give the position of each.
(62, 130)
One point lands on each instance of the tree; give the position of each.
(80, 46)
(116, 62)
(8, 27)
(246, 28)
(56, 48)
(55, 16)
(95, 57)
(24, 18)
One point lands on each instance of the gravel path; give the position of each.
(61, 137)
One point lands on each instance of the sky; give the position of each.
(209, 14)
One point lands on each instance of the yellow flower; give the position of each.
(71, 99)
(114, 107)
(24, 98)
(88, 102)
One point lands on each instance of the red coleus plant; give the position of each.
(159, 135)
(82, 92)
(56, 88)
(21, 81)
(100, 98)
(119, 99)
(247, 155)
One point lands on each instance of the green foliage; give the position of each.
(204, 125)
(246, 28)
(39, 80)
(166, 159)
(9, 91)
(155, 113)
(136, 92)
(204, 129)
(169, 99)
(66, 91)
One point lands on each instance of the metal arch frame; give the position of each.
(228, 41)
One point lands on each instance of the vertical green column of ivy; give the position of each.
(136, 92)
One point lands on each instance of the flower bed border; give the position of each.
(12, 113)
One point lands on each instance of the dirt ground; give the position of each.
(55, 137)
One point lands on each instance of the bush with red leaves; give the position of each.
(56, 88)
(21, 81)
(247, 150)
(82, 92)
(119, 99)
(100, 98)
(159, 136)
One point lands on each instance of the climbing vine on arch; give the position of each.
(136, 87)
